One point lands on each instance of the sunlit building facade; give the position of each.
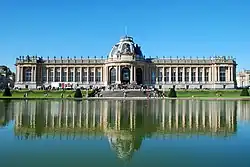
(243, 78)
(126, 64)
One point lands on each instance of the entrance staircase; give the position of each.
(119, 93)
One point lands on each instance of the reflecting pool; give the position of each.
(188, 133)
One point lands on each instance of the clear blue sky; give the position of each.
(90, 28)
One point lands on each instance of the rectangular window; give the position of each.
(78, 76)
(28, 74)
(153, 78)
(173, 76)
(193, 73)
(180, 76)
(222, 74)
(85, 76)
(187, 76)
(44, 74)
(64, 75)
(200, 75)
(57, 76)
(91, 77)
(51, 75)
(160, 77)
(98, 76)
(167, 76)
(71, 76)
(206, 74)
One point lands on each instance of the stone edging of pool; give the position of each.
(126, 98)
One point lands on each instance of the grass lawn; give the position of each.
(41, 93)
(209, 93)
(180, 93)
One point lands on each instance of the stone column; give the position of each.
(61, 74)
(67, 76)
(227, 74)
(176, 74)
(131, 73)
(134, 74)
(74, 74)
(210, 74)
(170, 74)
(17, 74)
(80, 74)
(47, 74)
(203, 74)
(116, 70)
(106, 74)
(101, 70)
(87, 74)
(190, 74)
(163, 75)
(54, 74)
(232, 73)
(156, 75)
(218, 73)
(118, 74)
(32, 73)
(183, 74)
(214, 76)
(197, 74)
(35, 74)
(21, 74)
(95, 74)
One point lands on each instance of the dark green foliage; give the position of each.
(7, 92)
(244, 92)
(93, 93)
(78, 94)
(172, 93)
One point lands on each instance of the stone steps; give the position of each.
(120, 94)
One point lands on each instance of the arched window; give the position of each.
(28, 74)
(112, 75)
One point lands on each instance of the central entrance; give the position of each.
(125, 77)
(139, 76)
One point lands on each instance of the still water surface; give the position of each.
(158, 133)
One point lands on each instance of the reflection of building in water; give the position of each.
(243, 111)
(125, 123)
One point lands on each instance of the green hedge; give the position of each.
(172, 93)
(244, 92)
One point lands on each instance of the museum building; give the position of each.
(126, 64)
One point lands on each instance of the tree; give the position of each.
(244, 92)
(7, 92)
(172, 93)
(78, 93)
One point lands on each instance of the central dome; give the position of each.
(126, 47)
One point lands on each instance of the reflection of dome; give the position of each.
(126, 46)
(122, 144)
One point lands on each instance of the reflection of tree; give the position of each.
(4, 115)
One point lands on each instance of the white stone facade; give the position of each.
(243, 78)
(126, 64)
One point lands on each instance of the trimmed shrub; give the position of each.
(78, 94)
(244, 92)
(7, 92)
(172, 93)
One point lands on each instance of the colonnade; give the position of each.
(191, 73)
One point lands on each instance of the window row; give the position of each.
(70, 77)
